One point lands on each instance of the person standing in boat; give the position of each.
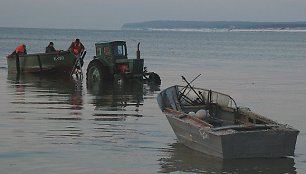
(20, 50)
(50, 48)
(76, 47)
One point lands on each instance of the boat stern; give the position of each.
(270, 143)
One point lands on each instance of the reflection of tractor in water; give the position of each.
(111, 62)
(117, 101)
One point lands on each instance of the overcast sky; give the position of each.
(112, 14)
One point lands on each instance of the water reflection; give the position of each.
(45, 94)
(56, 111)
(118, 99)
(179, 158)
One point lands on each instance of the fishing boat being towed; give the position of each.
(211, 122)
(58, 62)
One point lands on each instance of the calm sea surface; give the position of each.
(53, 125)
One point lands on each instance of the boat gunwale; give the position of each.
(207, 90)
(43, 54)
(181, 115)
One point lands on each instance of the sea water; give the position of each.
(56, 125)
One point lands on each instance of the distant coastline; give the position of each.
(214, 25)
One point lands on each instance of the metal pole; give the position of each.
(188, 84)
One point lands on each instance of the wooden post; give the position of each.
(138, 51)
(39, 63)
(17, 64)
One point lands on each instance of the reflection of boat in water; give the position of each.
(47, 92)
(48, 82)
(117, 100)
(178, 158)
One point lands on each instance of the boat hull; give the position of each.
(230, 144)
(61, 62)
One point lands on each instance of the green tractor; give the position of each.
(111, 62)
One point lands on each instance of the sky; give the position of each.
(112, 14)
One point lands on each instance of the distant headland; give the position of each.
(198, 25)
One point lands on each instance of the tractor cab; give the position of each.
(114, 56)
(111, 51)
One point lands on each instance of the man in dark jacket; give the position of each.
(50, 48)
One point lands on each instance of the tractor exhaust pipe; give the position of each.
(138, 51)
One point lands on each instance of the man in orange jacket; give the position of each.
(76, 47)
(21, 49)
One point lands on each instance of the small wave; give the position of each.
(64, 118)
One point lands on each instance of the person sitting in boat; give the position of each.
(76, 47)
(20, 50)
(50, 48)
